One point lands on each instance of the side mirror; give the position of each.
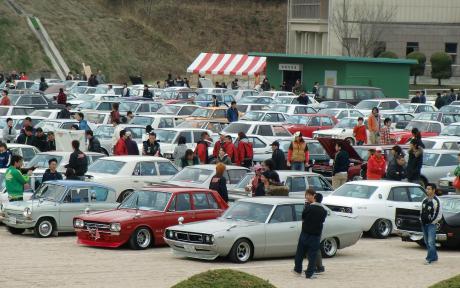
(180, 220)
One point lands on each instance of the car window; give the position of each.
(326, 121)
(28, 154)
(256, 142)
(342, 114)
(354, 113)
(399, 194)
(448, 160)
(200, 201)
(187, 110)
(298, 208)
(77, 196)
(435, 127)
(68, 125)
(104, 106)
(297, 184)
(300, 110)
(196, 136)
(99, 194)
(166, 168)
(416, 194)
(187, 135)
(166, 123)
(182, 202)
(317, 183)
(212, 201)
(143, 108)
(314, 121)
(145, 169)
(24, 100)
(235, 175)
(282, 214)
(450, 146)
(264, 130)
(281, 131)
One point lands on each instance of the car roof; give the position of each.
(179, 129)
(273, 200)
(440, 151)
(21, 117)
(16, 145)
(59, 120)
(78, 183)
(213, 167)
(169, 188)
(385, 183)
(15, 106)
(286, 173)
(262, 122)
(132, 158)
(63, 153)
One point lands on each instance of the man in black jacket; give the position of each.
(341, 165)
(151, 147)
(40, 140)
(415, 162)
(27, 137)
(278, 157)
(313, 217)
(65, 112)
(430, 215)
(93, 143)
(51, 173)
(51, 143)
(78, 161)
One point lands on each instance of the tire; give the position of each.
(381, 229)
(329, 247)
(350, 140)
(44, 228)
(15, 231)
(242, 251)
(123, 195)
(141, 239)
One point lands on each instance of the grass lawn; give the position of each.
(453, 282)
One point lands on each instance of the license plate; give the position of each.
(13, 220)
(189, 248)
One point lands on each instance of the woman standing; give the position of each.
(179, 151)
(396, 166)
(115, 114)
(219, 183)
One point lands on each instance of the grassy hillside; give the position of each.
(19, 49)
(152, 38)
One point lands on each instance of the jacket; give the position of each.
(78, 162)
(414, 164)
(439, 102)
(298, 152)
(151, 149)
(40, 142)
(185, 163)
(313, 217)
(231, 151)
(48, 176)
(131, 146)
(61, 98)
(64, 114)
(120, 148)
(219, 184)
(147, 94)
(373, 124)
(83, 125)
(5, 158)
(5, 101)
(215, 150)
(201, 151)
(9, 134)
(226, 160)
(395, 171)
(279, 159)
(244, 151)
(431, 211)
(14, 182)
(115, 116)
(376, 168)
(457, 171)
(232, 114)
(94, 145)
(24, 139)
(51, 145)
(341, 162)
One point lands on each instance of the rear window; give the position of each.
(355, 191)
(237, 127)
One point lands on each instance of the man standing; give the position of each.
(303, 98)
(245, 151)
(376, 165)
(416, 98)
(51, 173)
(230, 149)
(125, 91)
(415, 162)
(26, 138)
(201, 149)
(5, 156)
(313, 217)
(100, 77)
(360, 133)
(298, 155)
(373, 125)
(430, 215)
(78, 161)
(14, 180)
(315, 89)
(27, 123)
(220, 143)
(151, 147)
(93, 143)
(5, 99)
(232, 113)
(278, 157)
(65, 112)
(82, 123)
(120, 147)
(235, 84)
(51, 142)
(61, 97)
(9, 133)
(147, 93)
(341, 165)
(40, 141)
(422, 97)
(131, 145)
(385, 132)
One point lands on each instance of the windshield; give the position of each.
(87, 105)
(253, 116)
(363, 152)
(450, 205)
(166, 136)
(40, 113)
(96, 118)
(41, 160)
(245, 181)
(202, 112)
(430, 159)
(428, 143)
(406, 108)
(421, 126)
(296, 119)
(167, 95)
(106, 166)
(330, 112)
(146, 200)
(283, 100)
(451, 130)
(85, 97)
(450, 109)
(246, 211)
(104, 132)
(128, 106)
(355, 191)
(48, 125)
(168, 109)
(101, 90)
(347, 123)
(203, 97)
(280, 108)
(51, 192)
(367, 104)
(142, 120)
(193, 175)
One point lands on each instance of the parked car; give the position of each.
(205, 100)
(309, 123)
(426, 128)
(447, 230)
(451, 130)
(446, 185)
(157, 121)
(241, 93)
(54, 205)
(264, 116)
(82, 98)
(169, 138)
(445, 118)
(15, 110)
(335, 104)
(271, 131)
(292, 99)
(442, 142)
(450, 109)
(293, 109)
(374, 202)
(437, 164)
(46, 113)
(178, 109)
(36, 101)
(143, 217)
(54, 124)
(365, 106)
(415, 108)
(256, 100)
(276, 94)
(399, 120)
(212, 90)
(98, 118)
(128, 173)
(244, 108)
(214, 127)
(352, 94)
(210, 113)
(259, 227)
(340, 113)
(23, 84)
(185, 95)
(342, 130)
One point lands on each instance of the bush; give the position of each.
(419, 68)
(224, 278)
(388, 54)
(441, 66)
(453, 282)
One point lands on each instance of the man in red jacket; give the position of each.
(230, 149)
(120, 147)
(220, 143)
(245, 151)
(376, 165)
(201, 149)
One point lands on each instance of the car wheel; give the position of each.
(44, 228)
(141, 239)
(381, 229)
(241, 251)
(15, 231)
(329, 247)
(350, 140)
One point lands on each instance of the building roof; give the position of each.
(336, 58)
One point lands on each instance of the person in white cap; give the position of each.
(376, 165)
(298, 155)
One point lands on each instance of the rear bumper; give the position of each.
(412, 236)
(103, 239)
(197, 251)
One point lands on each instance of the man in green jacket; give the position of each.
(15, 180)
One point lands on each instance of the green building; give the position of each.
(392, 75)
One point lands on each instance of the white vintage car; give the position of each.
(259, 227)
(170, 137)
(127, 173)
(342, 130)
(375, 202)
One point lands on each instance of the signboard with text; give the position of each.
(290, 67)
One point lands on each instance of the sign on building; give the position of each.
(330, 78)
(290, 67)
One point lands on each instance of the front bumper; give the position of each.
(100, 239)
(192, 250)
(19, 223)
(411, 236)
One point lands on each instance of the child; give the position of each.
(359, 132)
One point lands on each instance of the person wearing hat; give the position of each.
(151, 147)
(255, 182)
(278, 156)
(298, 155)
(201, 149)
(131, 145)
(376, 165)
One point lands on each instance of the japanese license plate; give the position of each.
(12, 220)
(189, 248)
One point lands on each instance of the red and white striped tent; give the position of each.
(227, 64)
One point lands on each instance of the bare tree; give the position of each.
(359, 26)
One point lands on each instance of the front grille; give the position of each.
(188, 237)
(99, 226)
(16, 214)
(408, 219)
(342, 209)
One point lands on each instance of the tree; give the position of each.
(388, 54)
(441, 66)
(419, 68)
(359, 27)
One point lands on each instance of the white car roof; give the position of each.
(21, 117)
(440, 151)
(273, 200)
(213, 167)
(16, 145)
(179, 129)
(135, 158)
(15, 106)
(65, 153)
(442, 138)
(382, 183)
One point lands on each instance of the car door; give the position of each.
(282, 232)
(447, 162)
(202, 208)
(397, 198)
(189, 141)
(261, 150)
(99, 199)
(180, 206)
(234, 176)
(144, 172)
(166, 170)
(313, 125)
(264, 130)
(74, 203)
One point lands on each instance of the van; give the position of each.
(349, 94)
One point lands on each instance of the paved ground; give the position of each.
(59, 262)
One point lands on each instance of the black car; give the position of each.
(37, 101)
(448, 229)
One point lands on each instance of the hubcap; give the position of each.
(243, 252)
(45, 228)
(330, 246)
(143, 238)
(384, 227)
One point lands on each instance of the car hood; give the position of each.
(116, 215)
(212, 226)
(343, 201)
(329, 146)
(333, 131)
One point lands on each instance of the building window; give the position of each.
(380, 46)
(451, 49)
(411, 47)
(306, 9)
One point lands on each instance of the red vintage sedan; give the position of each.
(308, 123)
(426, 128)
(142, 217)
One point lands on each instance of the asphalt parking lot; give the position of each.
(60, 262)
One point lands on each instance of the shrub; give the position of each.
(441, 66)
(388, 54)
(419, 68)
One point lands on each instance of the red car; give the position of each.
(426, 128)
(308, 123)
(142, 217)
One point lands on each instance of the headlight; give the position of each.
(78, 223)
(27, 212)
(116, 227)
(208, 239)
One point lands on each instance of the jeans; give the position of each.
(308, 244)
(299, 166)
(429, 237)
